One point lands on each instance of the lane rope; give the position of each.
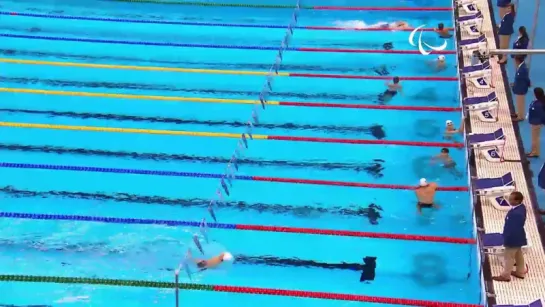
(204, 24)
(213, 46)
(232, 135)
(229, 289)
(229, 226)
(217, 71)
(234, 101)
(280, 6)
(112, 170)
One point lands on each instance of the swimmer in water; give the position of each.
(396, 25)
(425, 194)
(214, 261)
(450, 130)
(441, 63)
(448, 162)
(392, 89)
(442, 31)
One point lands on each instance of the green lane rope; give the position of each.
(198, 3)
(103, 281)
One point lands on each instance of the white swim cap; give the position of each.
(441, 58)
(423, 182)
(227, 256)
(449, 122)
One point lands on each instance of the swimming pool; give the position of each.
(92, 144)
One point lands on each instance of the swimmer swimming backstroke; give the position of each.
(214, 261)
(425, 194)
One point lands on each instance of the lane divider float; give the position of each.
(94, 169)
(214, 46)
(229, 289)
(232, 135)
(229, 226)
(203, 24)
(281, 6)
(231, 101)
(217, 71)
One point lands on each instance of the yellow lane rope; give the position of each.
(145, 68)
(131, 96)
(128, 130)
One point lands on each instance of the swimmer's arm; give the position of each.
(433, 185)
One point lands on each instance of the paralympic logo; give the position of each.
(421, 43)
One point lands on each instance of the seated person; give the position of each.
(442, 31)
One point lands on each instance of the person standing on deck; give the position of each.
(520, 87)
(514, 238)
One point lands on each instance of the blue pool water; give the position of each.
(293, 261)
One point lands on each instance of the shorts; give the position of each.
(387, 93)
(451, 164)
(201, 264)
(424, 205)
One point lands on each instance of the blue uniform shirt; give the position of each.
(514, 234)
(503, 3)
(506, 25)
(521, 43)
(536, 113)
(521, 83)
(541, 177)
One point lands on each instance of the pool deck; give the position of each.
(517, 292)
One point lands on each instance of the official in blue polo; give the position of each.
(520, 87)
(522, 42)
(541, 183)
(536, 118)
(514, 238)
(502, 6)
(506, 29)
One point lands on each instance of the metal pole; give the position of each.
(516, 51)
(177, 288)
(534, 31)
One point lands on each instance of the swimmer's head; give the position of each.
(396, 80)
(449, 123)
(441, 58)
(227, 256)
(440, 26)
(444, 151)
(423, 182)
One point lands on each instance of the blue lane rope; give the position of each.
(161, 22)
(115, 170)
(125, 42)
(111, 220)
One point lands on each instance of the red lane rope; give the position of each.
(382, 8)
(372, 51)
(361, 234)
(363, 142)
(366, 29)
(366, 106)
(352, 184)
(372, 77)
(338, 296)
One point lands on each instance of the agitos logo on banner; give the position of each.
(421, 44)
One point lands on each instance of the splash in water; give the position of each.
(359, 24)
